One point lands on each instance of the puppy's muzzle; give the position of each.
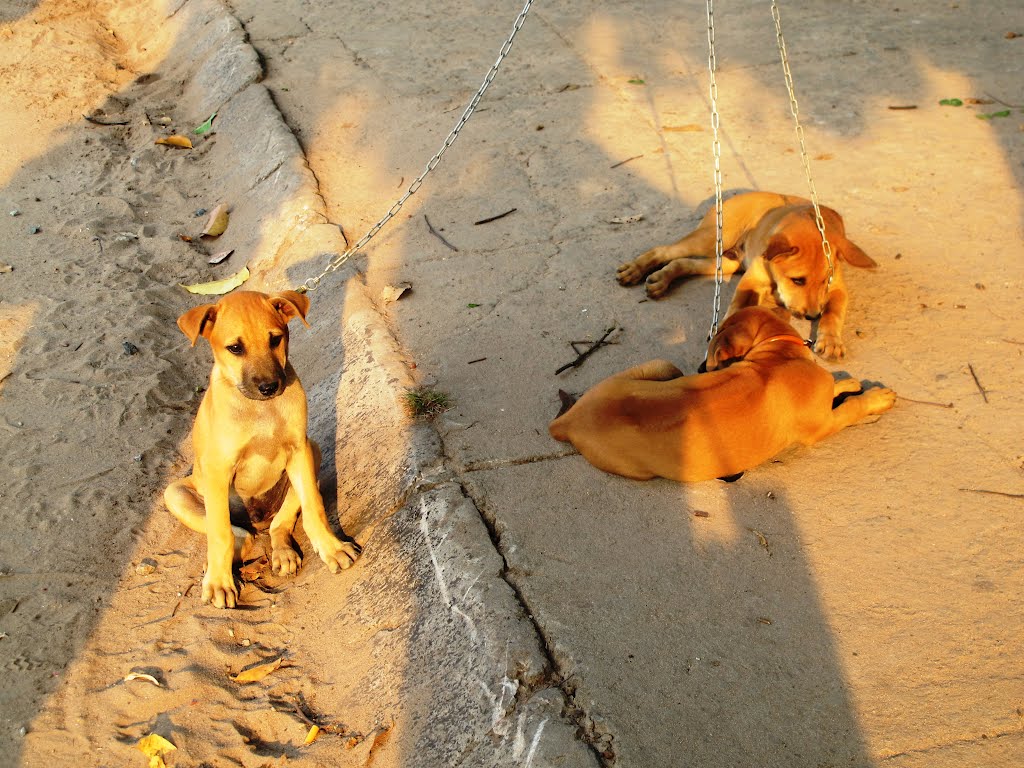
(268, 388)
(262, 389)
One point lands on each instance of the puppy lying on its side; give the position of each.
(763, 392)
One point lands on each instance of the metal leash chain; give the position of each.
(717, 152)
(311, 283)
(795, 109)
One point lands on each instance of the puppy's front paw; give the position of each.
(338, 554)
(657, 284)
(879, 399)
(830, 346)
(629, 273)
(219, 589)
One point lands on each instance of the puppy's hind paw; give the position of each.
(285, 561)
(880, 399)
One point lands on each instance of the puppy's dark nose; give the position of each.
(812, 316)
(268, 388)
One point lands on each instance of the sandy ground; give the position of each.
(853, 604)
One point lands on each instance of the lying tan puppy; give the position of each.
(250, 438)
(775, 240)
(763, 393)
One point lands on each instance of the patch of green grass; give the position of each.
(425, 403)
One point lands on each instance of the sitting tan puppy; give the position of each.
(763, 392)
(775, 240)
(250, 438)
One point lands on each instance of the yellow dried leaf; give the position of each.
(218, 287)
(392, 293)
(217, 222)
(154, 746)
(175, 141)
(314, 732)
(257, 673)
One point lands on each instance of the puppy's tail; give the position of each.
(558, 428)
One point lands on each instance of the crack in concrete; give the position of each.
(484, 464)
(952, 744)
(602, 745)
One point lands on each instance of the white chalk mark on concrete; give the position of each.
(438, 573)
(535, 743)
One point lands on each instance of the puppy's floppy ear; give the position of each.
(779, 246)
(845, 249)
(726, 346)
(853, 255)
(291, 304)
(198, 321)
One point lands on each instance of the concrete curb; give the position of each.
(471, 633)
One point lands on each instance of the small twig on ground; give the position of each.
(994, 493)
(984, 394)
(1014, 341)
(628, 159)
(581, 356)
(903, 106)
(925, 402)
(101, 121)
(478, 360)
(1004, 103)
(576, 344)
(437, 234)
(495, 218)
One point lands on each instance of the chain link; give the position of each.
(311, 283)
(717, 152)
(795, 109)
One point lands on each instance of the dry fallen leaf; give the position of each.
(217, 258)
(314, 732)
(257, 673)
(142, 676)
(627, 219)
(762, 539)
(217, 222)
(218, 287)
(154, 746)
(392, 293)
(175, 141)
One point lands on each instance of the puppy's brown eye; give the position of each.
(799, 281)
(235, 349)
(275, 341)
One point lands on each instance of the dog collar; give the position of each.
(791, 338)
